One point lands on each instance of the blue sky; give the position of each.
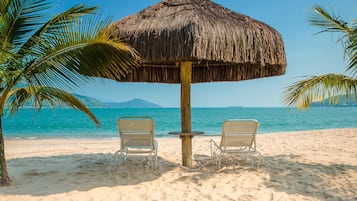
(307, 53)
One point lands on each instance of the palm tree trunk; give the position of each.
(5, 180)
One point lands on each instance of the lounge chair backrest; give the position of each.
(238, 139)
(238, 133)
(136, 131)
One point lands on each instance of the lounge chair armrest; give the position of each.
(214, 147)
(212, 142)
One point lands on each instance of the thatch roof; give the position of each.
(222, 44)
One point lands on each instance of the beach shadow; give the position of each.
(205, 168)
(285, 174)
(290, 174)
(38, 176)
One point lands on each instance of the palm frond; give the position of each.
(110, 58)
(40, 95)
(84, 49)
(55, 26)
(329, 23)
(317, 88)
(21, 19)
(5, 56)
(4, 5)
(352, 66)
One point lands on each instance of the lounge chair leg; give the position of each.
(219, 162)
(259, 160)
(118, 158)
(154, 163)
(114, 164)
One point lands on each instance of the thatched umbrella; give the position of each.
(193, 41)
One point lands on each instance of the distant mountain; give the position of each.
(134, 103)
(342, 102)
(94, 103)
(90, 102)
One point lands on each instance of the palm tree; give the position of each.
(317, 88)
(42, 57)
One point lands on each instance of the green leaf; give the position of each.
(55, 26)
(20, 19)
(317, 88)
(39, 95)
(81, 52)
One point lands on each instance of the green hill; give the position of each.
(91, 102)
(134, 103)
(94, 103)
(337, 101)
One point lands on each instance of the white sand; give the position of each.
(308, 165)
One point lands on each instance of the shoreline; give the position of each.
(302, 165)
(81, 137)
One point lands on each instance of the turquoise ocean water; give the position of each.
(64, 123)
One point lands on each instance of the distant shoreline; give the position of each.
(81, 137)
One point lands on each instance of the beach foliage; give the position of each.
(316, 88)
(43, 55)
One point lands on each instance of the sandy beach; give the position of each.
(305, 165)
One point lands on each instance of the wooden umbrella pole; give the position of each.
(186, 137)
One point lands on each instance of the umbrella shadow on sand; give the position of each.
(38, 176)
(278, 176)
(292, 175)
(286, 174)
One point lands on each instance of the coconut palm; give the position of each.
(42, 57)
(317, 88)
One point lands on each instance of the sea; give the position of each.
(70, 123)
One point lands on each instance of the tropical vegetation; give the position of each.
(317, 88)
(42, 57)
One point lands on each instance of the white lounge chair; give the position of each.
(136, 137)
(238, 139)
